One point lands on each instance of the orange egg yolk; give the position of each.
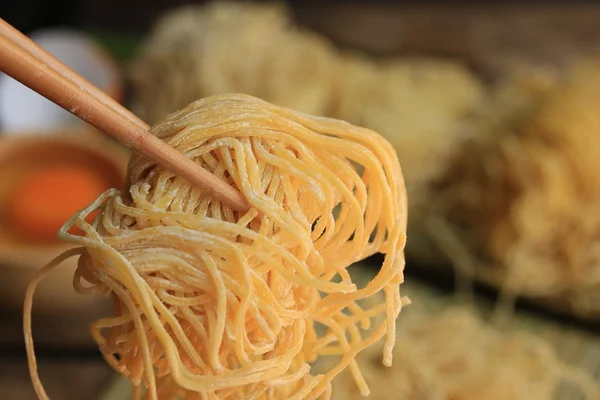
(44, 200)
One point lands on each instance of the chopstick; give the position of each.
(52, 79)
(32, 48)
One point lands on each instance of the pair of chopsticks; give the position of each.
(43, 73)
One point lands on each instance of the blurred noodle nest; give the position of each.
(419, 105)
(213, 303)
(524, 196)
(196, 52)
(453, 354)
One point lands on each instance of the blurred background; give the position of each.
(492, 109)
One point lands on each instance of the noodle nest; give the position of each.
(453, 354)
(195, 52)
(215, 304)
(523, 196)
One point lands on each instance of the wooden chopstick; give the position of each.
(32, 48)
(78, 99)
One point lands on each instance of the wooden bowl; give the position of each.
(20, 259)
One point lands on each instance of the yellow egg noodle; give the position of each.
(216, 304)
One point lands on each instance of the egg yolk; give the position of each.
(44, 200)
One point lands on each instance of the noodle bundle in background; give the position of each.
(420, 105)
(195, 52)
(215, 303)
(453, 354)
(449, 350)
(524, 196)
